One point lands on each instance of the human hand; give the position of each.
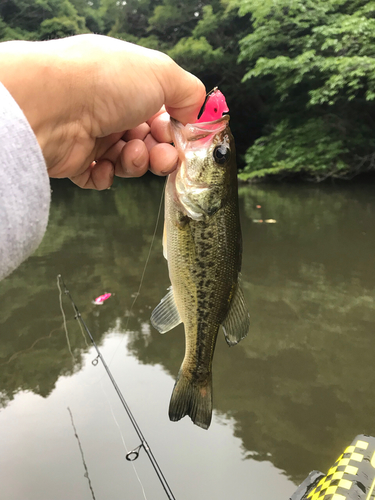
(96, 105)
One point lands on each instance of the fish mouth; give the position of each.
(193, 142)
(196, 132)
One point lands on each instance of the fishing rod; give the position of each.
(132, 455)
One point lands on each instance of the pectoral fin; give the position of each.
(237, 323)
(165, 316)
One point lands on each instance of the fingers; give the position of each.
(160, 128)
(163, 159)
(146, 148)
(133, 160)
(136, 159)
(128, 160)
(131, 154)
(139, 132)
(97, 176)
(163, 156)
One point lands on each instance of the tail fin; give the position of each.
(193, 400)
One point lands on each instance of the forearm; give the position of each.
(24, 187)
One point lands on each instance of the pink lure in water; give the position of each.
(214, 107)
(99, 300)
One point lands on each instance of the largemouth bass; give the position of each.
(202, 244)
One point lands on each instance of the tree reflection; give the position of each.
(298, 388)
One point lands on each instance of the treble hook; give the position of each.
(134, 454)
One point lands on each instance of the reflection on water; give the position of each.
(295, 391)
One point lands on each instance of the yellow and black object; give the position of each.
(352, 476)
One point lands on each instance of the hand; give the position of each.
(96, 105)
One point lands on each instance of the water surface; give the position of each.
(287, 399)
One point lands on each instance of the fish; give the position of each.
(203, 247)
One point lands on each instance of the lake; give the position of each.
(288, 399)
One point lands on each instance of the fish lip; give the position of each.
(204, 127)
(224, 118)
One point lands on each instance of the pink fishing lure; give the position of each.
(214, 107)
(99, 300)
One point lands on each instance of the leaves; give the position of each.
(197, 54)
(317, 60)
(285, 68)
(287, 150)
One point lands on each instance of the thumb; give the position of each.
(184, 93)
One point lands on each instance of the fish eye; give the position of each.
(221, 153)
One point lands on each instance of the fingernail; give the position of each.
(139, 161)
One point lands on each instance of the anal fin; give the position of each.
(165, 316)
(237, 323)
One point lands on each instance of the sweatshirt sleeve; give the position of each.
(24, 187)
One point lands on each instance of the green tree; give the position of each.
(89, 10)
(7, 33)
(127, 19)
(40, 19)
(59, 27)
(315, 61)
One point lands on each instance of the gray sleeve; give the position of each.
(24, 187)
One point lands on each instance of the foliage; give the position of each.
(299, 76)
(175, 20)
(59, 27)
(288, 150)
(316, 60)
(40, 19)
(198, 54)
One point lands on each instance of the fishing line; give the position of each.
(123, 439)
(144, 269)
(64, 319)
(82, 332)
(113, 415)
(132, 455)
(149, 252)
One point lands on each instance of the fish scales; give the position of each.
(203, 280)
(202, 243)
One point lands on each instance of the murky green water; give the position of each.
(287, 399)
